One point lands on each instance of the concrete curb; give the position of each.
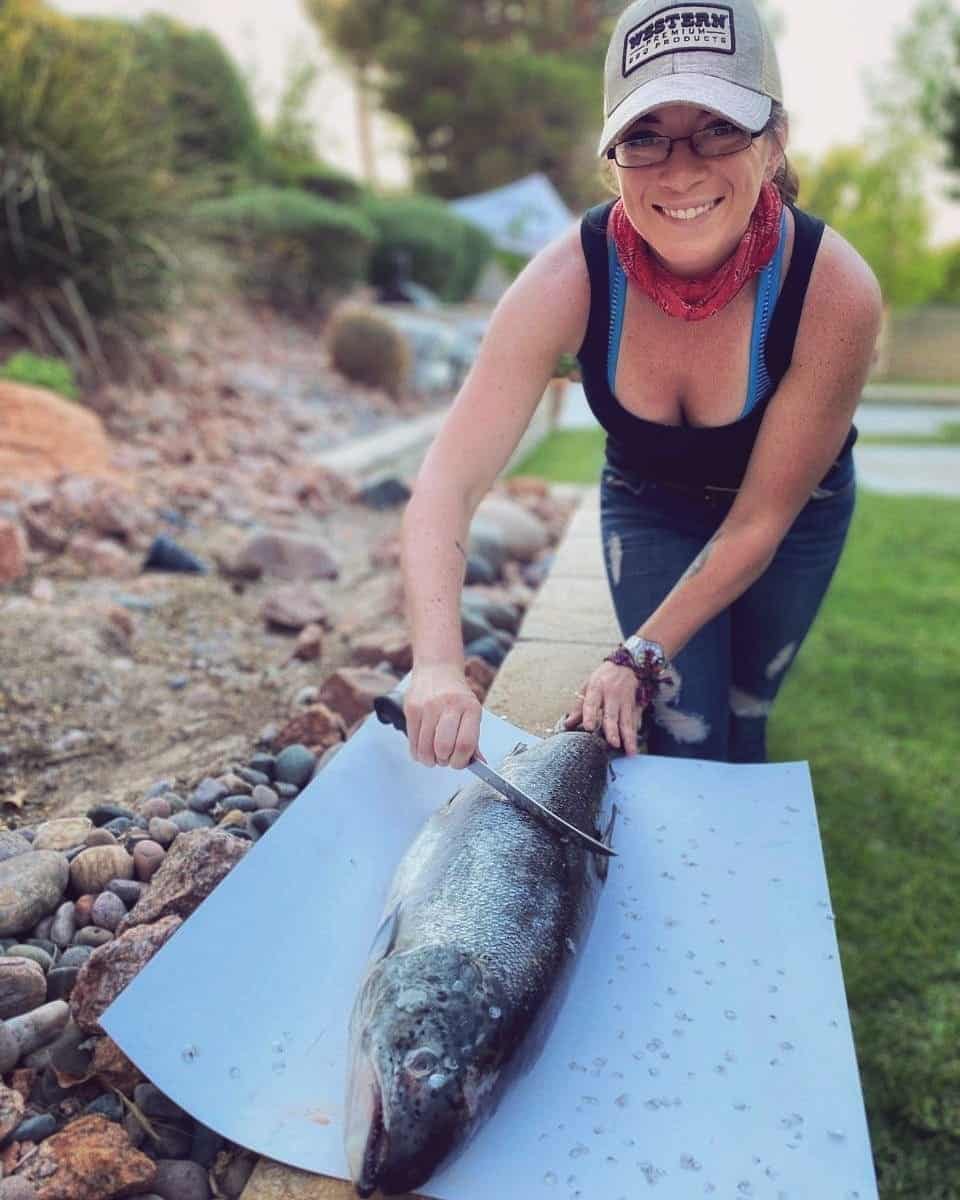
(565, 633)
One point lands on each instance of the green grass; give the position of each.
(873, 704)
(948, 434)
(567, 456)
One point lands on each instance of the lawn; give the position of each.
(874, 705)
(947, 434)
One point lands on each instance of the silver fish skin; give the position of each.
(486, 915)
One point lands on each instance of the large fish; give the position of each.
(486, 916)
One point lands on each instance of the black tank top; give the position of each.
(687, 455)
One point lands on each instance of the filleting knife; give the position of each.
(389, 710)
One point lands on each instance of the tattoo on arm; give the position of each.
(701, 560)
(463, 553)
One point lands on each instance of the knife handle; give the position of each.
(389, 710)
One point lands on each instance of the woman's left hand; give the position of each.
(608, 700)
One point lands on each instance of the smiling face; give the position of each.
(693, 211)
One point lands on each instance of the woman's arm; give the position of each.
(542, 315)
(801, 434)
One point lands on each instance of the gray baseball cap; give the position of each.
(717, 56)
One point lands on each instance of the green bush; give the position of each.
(309, 175)
(51, 373)
(364, 346)
(295, 251)
(86, 197)
(425, 239)
(214, 118)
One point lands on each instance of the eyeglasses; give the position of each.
(715, 141)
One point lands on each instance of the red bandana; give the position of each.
(697, 299)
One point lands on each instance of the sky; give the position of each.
(825, 49)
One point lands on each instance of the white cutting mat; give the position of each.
(705, 1045)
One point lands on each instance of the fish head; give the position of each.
(430, 1037)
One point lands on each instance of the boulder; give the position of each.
(91, 1158)
(291, 609)
(352, 691)
(523, 535)
(45, 435)
(285, 557)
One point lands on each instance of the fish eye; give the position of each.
(420, 1062)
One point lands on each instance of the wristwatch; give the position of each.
(644, 651)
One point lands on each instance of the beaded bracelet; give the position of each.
(649, 674)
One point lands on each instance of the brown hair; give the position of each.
(785, 181)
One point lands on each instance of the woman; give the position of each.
(724, 338)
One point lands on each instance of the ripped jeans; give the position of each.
(729, 673)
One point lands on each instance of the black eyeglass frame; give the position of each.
(612, 152)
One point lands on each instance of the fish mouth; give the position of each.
(367, 1137)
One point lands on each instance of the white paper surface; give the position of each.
(704, 1047)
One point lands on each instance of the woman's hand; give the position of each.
(608, 699)
(443, 716)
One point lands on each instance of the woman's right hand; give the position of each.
(443, 716)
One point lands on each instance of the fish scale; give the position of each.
(481, 930)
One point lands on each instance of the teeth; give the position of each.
(687, 214)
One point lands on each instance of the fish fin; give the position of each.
(385, 937)
(607, 839)
(519, 748)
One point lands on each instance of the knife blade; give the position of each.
(389, 710)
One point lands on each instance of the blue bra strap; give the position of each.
(768, 288)
(618, 302)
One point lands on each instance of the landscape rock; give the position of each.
(480, 675)
(309, 644)
(192, 868)
(108, 909)
(392, 646)
(11, 1110)
(283, 556)
(352, 691)
(181, 1179)
(54, 435)
(13, 551)
(317, 727)
(112, 1067)
(12, 843)
(31, 886)
(291, 609)
(91, 1158)
(101, 556)
(64, 924)
(110, 968)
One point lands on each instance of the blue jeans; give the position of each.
(727, 676)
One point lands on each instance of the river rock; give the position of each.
(109, 969)
(294, 765)
(188, 820)
(147, 857)
(487, 648)
(62, 834)
(523, 534)
(309, 644)
(156, 806)
(207, 793)
(82, 907)
(181, 1179)
(194, 865)
(23, 986)
(89, 1159)
(100, 837)
(36, 954)
(93, 869)
(498, 613)
(12, 843)
(31, 887)
(100, 814)
(264, 797)
(108, 910)
(16, 1188)
(486, 540)
(129, 890)
(163, 831)
(351, 691)
(479, 570)
(92, 935)
(60, 982)
(64, 924)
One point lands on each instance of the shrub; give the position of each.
(310, 175)
(365, 346)
(85, 195)
(295, 250)
(422, 237)
(51, 373)
(214, 118)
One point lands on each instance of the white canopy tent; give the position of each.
(522, 216)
